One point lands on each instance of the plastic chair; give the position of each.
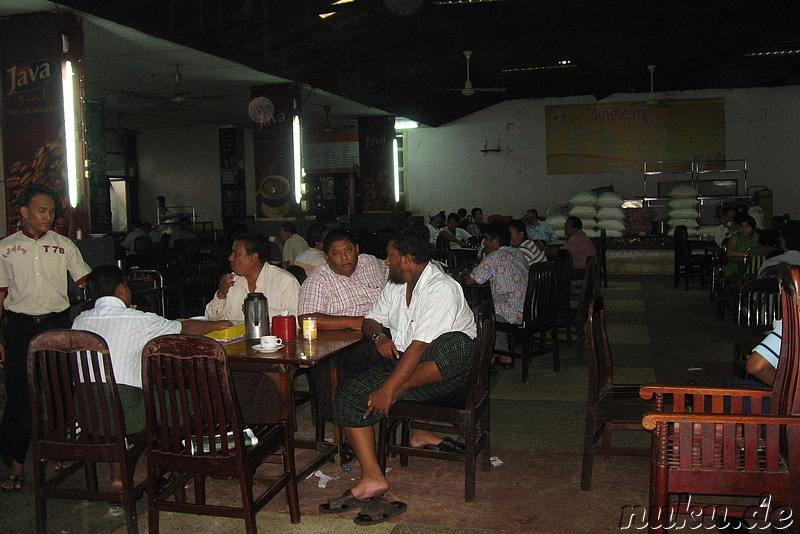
(609, 406)
(721, 441)
(195, 429)
(468, 416)
(73, 421)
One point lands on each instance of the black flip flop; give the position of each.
(345, 503)
(379, 510)
(447, 444)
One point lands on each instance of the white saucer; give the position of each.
(259, 348)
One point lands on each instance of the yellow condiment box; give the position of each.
(228, 334)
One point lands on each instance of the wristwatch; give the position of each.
(377, 335)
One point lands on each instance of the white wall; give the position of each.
(446, 170)
(183, 165)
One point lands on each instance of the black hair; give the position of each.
(453, 216)
(26, 195)
(104, 280)
(316, 233)
(498, 228)
(519, 225)
(289, 227)
(255, 243)
(575, 222)
(462, 212)
(475, 210)
(535, 213)
(413, 242)
(335, 235)
(790, 232)
(743, 217)
(161, 199)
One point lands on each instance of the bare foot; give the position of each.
(116, 485)
(369, 487)
(420, 438)
(15, 479)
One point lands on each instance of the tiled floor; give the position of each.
(658, 334)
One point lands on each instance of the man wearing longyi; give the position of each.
(428, 357)
(252, 273)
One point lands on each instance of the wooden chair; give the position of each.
(719, 441)
(539, 317)
(600, 246)
(298, 272)
(442, 243)
(609, 406)
(468, 416)
(143, 243)
(688, 264)
(574, 317)
(191, 407)
(447, 258)
(563, 265)
(73, 422)
(759, 304)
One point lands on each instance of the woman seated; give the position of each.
(740, 242)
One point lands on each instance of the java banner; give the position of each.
(620, 137)
(32, 52)
(376, 175)
(272, 109)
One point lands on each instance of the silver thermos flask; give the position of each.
(256, 316)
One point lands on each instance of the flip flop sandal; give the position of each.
(16, 480)
(447, 444)
(63, 465)
(379, 510)
(345, 503)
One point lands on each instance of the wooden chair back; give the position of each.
(680, 241)
(540, 315)
(77, 416)
(447, 258)
(601, 245)
(194, 429)
(478, 380)
(442, 243)
(298, 272)
(754, 258)
(759, 302)
(599, 362)
(563, 275)
(142, 243)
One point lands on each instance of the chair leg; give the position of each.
(487, 449)
(405, 440)
(556, 357)
(41, 504)
(588, 449)
(292, 495)
(128, 501)
(470, 459)
(382, 453)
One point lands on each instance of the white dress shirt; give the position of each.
(279, 286)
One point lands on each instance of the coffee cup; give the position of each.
(270, 342)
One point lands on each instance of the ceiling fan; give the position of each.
(652, 100)
(326, 127)
(179, 95)
(469, 89)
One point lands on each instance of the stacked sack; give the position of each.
(557, 221)
(582, 206)
(683, 209)
(610, 216)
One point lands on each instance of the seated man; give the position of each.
(452, 233)
(313, 257)
(579, 244)
(182, 232)
(436, 220)
(726, 226)
(127, 330)
(763, 362)
(338, 293)
(789, 241)
(538, 230)
(140, 229)
(290, 243)
(428, 357)
(253, 274)
(519, 240)
(507, 270)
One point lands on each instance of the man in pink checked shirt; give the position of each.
(338, 293)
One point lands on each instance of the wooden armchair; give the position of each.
(468, 416)
(609, 406)
(72, 421)
(195, 429)
(721, 441)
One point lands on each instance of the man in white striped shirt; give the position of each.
(519, 240)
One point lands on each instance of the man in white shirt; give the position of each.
(253, 274)
(790, 244)
(436, 219)
(428, 357)
(455, 235)
(127, 330)
(141, 229)
(290, 243)
(313, 257)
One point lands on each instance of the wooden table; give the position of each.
(281, 367)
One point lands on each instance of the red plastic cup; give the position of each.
(284, 326)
